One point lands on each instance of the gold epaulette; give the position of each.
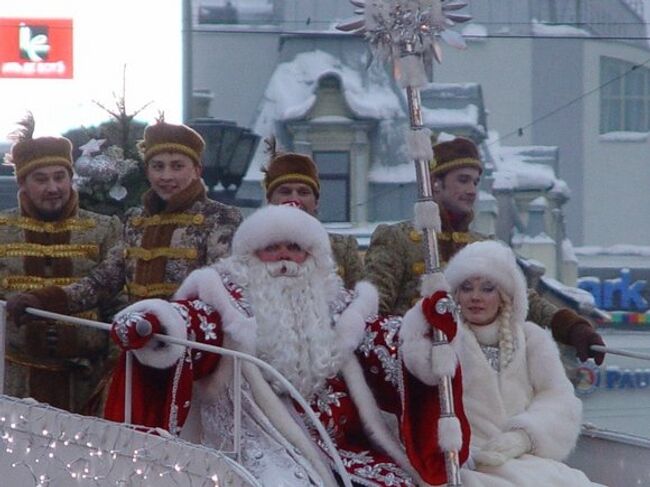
(33, 225)
(148, 290)
(55, 251)
(29, 283)
(169, 252)
(168, 219)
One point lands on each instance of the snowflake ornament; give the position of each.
(389, 25)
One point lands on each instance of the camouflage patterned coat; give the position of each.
(55, 363)
(348, 260)
(197, 236)
(394, 263)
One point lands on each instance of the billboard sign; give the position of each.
(36, 48)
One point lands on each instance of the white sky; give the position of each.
(143, 34)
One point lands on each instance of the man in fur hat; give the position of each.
(394, 261)
(176, 230)
(293, 178)
(49, 240)
(278, 297)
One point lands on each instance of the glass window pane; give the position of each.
(610, 77)
(634, 115)
(634, 83)
(333, 163)
(334, 200)
(610, 116)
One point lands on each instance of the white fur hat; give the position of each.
(496, 261)
(281, 223)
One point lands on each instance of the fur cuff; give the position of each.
(418, 143)
(206, 284)
(450, 435)
(427, 216)
(432, 283)
(351, 325)
(443, 360)
(423, 359)
(156, 353)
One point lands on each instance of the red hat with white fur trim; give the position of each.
(282, 223)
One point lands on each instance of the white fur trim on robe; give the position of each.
(531, 393)
(351, 325)
(424, 360)
(553, 418)
(373, 423)
(206, 284)
(156, 353)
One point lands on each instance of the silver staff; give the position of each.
(404, 32)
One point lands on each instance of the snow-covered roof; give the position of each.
(291, 93)
(517, 168)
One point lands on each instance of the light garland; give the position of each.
(47, 447)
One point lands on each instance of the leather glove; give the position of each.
(18, 303)
(582, 336)
(132, 331)
(497, 451)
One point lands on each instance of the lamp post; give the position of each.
(228, 153)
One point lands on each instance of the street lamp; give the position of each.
(229, 150)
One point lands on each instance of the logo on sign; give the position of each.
(33, 42)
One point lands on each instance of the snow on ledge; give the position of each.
(623, 137)
(546, 30)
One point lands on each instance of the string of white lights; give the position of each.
(47, 447)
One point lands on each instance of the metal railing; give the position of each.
(237, 381)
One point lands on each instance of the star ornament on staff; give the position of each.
(388, 24)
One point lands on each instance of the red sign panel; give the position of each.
(36, 48)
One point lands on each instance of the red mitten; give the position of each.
(437, 310)
(132, 331)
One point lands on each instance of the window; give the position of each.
(625, 96)
(334, 172)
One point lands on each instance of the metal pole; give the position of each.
(3, 336)
(432, 265)
(187, 26)
(128, 388)
(237, 407)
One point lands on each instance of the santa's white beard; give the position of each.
(294, 327)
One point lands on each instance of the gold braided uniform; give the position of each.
(394, 263)
(53, 362)
(349, 266)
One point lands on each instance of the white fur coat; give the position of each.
(532, 393)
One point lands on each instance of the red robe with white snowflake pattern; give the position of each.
(162, 398)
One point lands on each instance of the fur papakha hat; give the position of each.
(28, 154)
(288, 167)
(282, 223)
(452, 154)
(495, 261)
(166, 137)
